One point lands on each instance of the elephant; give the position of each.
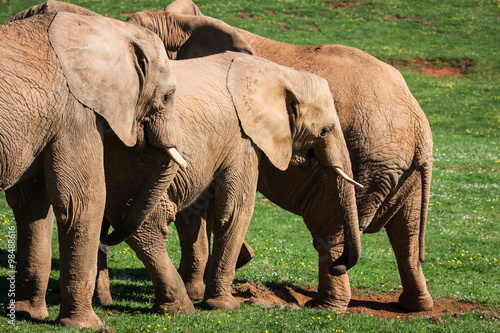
(63, 96)
(390, 144)
(239, 109)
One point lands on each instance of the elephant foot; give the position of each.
(195, 290)
(85, 320)
(177, 307)
(221, 302)
(102, 293)
(416, 303)
(29, 310)
(320, 303)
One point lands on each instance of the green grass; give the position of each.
(463, 240)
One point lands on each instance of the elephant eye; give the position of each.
(167, 97)
(325, 131)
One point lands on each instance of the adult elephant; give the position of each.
(62, 94)
(390, 145)
(239, 111)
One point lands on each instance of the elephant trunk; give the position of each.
(142, 195)
(335, 157)
(352, 250)
(150, 172)
(140, 176)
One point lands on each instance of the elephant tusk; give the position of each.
(347, 178)
(174, 154)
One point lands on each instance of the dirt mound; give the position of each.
(374, 304)
(434, 67)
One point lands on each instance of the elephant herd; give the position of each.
(173, 116)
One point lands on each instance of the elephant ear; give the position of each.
(186, 7)
(104, 63)
(210, 36)
(265, 104)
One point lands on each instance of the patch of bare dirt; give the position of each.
(446, 67)
(375, 304)
(244, 15)
(344, 4)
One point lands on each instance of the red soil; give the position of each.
(375, 305)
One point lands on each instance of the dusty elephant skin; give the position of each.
(390, 145)
(60, 97)
(228, 117)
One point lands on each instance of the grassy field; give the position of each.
(463, 231)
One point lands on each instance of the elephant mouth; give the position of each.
(303, 159)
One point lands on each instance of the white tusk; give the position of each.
(174, 154)
(347, 178)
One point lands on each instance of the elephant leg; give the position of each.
(334, 290)
(195, 252)
(102, 292)
(74, 173)
(246, 254)
(403, 231)
(34, 218)
(328, 239)
(149, 244)
(232, 212)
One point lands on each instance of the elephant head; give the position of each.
(308, 130)
(134, 94)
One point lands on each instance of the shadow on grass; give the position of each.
(377, 305)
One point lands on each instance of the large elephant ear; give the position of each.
(186, 7)
(188, 36)
(210, 36)
(105, 63)
(265, 104)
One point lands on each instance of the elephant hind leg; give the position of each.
(195, 251)
(34, 218)
(404, 232)
(102, 292)
(232, 212)
(74, 172)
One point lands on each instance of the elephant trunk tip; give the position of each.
(339, 267)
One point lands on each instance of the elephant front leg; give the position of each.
(34, 219)
(334, 290)
(74, 173)
(403, 231)
(194, 243)
(149, 244)
(232, 213)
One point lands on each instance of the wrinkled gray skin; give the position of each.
(390, 145)
(54, 118)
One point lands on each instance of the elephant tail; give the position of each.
(426, 174)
